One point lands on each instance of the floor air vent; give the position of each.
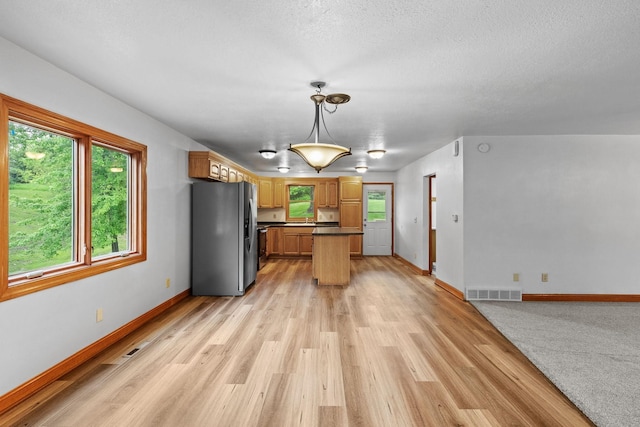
(135, 350)
(478, 294)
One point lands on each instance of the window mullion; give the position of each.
(83, 196)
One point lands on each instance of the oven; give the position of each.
(262, 247)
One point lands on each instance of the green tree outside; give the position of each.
(41, 199)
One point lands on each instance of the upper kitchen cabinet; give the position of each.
(327, 193)
(265, 193)
(278, 192)
(270, 192)
(350, 188)
(214, 167)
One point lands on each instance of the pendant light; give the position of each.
(319, 155)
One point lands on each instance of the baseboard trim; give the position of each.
(412, 266)
(582, 297)
(34, 385)
(453, 291)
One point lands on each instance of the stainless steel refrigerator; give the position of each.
(224, 242)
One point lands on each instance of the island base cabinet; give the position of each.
(331, 263)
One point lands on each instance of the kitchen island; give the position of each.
(331, 261)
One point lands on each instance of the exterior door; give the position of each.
(377, 219)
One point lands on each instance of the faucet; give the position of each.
(306, 220)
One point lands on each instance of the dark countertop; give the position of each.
(336, 231)
(297, 224)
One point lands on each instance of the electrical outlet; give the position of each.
(168, 282)
(99, 315)
(516, 277)
(274, 216)
(330, 216)
(545, 277)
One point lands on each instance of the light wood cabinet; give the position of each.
(332, 194)
(350, 188)
(327, 193)
(291, 244)
(351, 209)
(274, 241)
(278, 192)
(321, 194)
(306, 243)
(297, 241)
(265, 193)
(212, 166)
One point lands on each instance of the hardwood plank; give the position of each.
(390, 349)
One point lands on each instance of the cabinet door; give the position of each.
(278, 193)
(332, 194)
(265, 194)
(321, 194)
(291, 244)
(350, 188)
(274, 241)
(351, 214)
(306, 244)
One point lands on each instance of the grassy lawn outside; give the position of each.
(303, 209)
(22, 219)
(376, 210)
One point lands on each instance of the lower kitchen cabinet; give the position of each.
(297, 241)
(274, 241)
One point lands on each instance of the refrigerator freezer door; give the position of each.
(217, 239)
(251, 237)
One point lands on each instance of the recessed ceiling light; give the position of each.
(361, 169)
(268, 154)
(376, 154)
(283, 169)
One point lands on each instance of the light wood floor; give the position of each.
(392, 349)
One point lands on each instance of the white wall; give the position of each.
(41, 329)
(412, 213)
(568, 206)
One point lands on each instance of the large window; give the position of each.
(72, 202)
(300, 204)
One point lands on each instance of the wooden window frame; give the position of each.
(86, 136)
(288, 194)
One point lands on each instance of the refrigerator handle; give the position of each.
(250, 229)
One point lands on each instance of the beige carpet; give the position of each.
(591, 351)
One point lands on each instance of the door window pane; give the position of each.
(41, 199)
(301, 202)
(376, 206)
(109, 201)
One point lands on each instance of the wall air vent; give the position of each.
(487, 294)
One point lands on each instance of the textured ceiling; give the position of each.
(234, 75)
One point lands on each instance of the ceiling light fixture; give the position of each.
(267, 154)
(361, 169)
(376, 154)
(316, 154)
(283, 169)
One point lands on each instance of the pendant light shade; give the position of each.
(316, 154)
